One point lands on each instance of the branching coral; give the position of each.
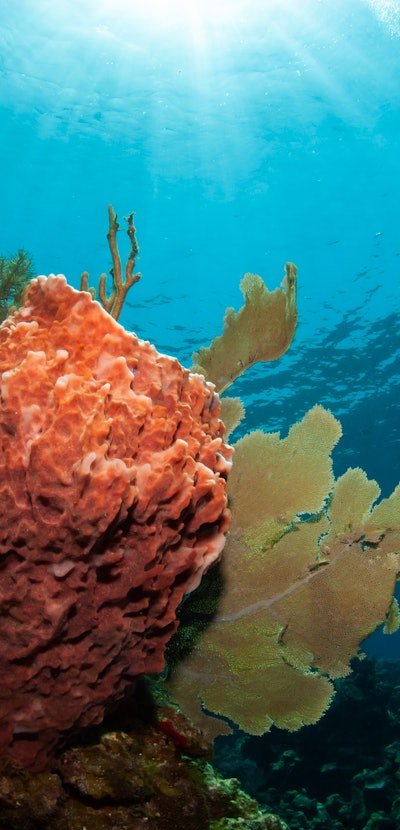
(308, 572)
(113, 304)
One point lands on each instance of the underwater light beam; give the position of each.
(191, 13)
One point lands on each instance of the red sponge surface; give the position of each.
(112, 506)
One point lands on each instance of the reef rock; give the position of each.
(113, 505)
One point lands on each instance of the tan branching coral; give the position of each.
(308, 571)
(113, 304)
(262, 329)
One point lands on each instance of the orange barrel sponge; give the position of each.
(113, 505)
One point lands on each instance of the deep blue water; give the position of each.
(243, 136)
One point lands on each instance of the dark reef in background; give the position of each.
(343, 772)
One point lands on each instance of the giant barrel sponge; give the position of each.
(113, 505)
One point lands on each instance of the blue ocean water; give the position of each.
(242, 134)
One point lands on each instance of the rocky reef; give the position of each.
(152, 775)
